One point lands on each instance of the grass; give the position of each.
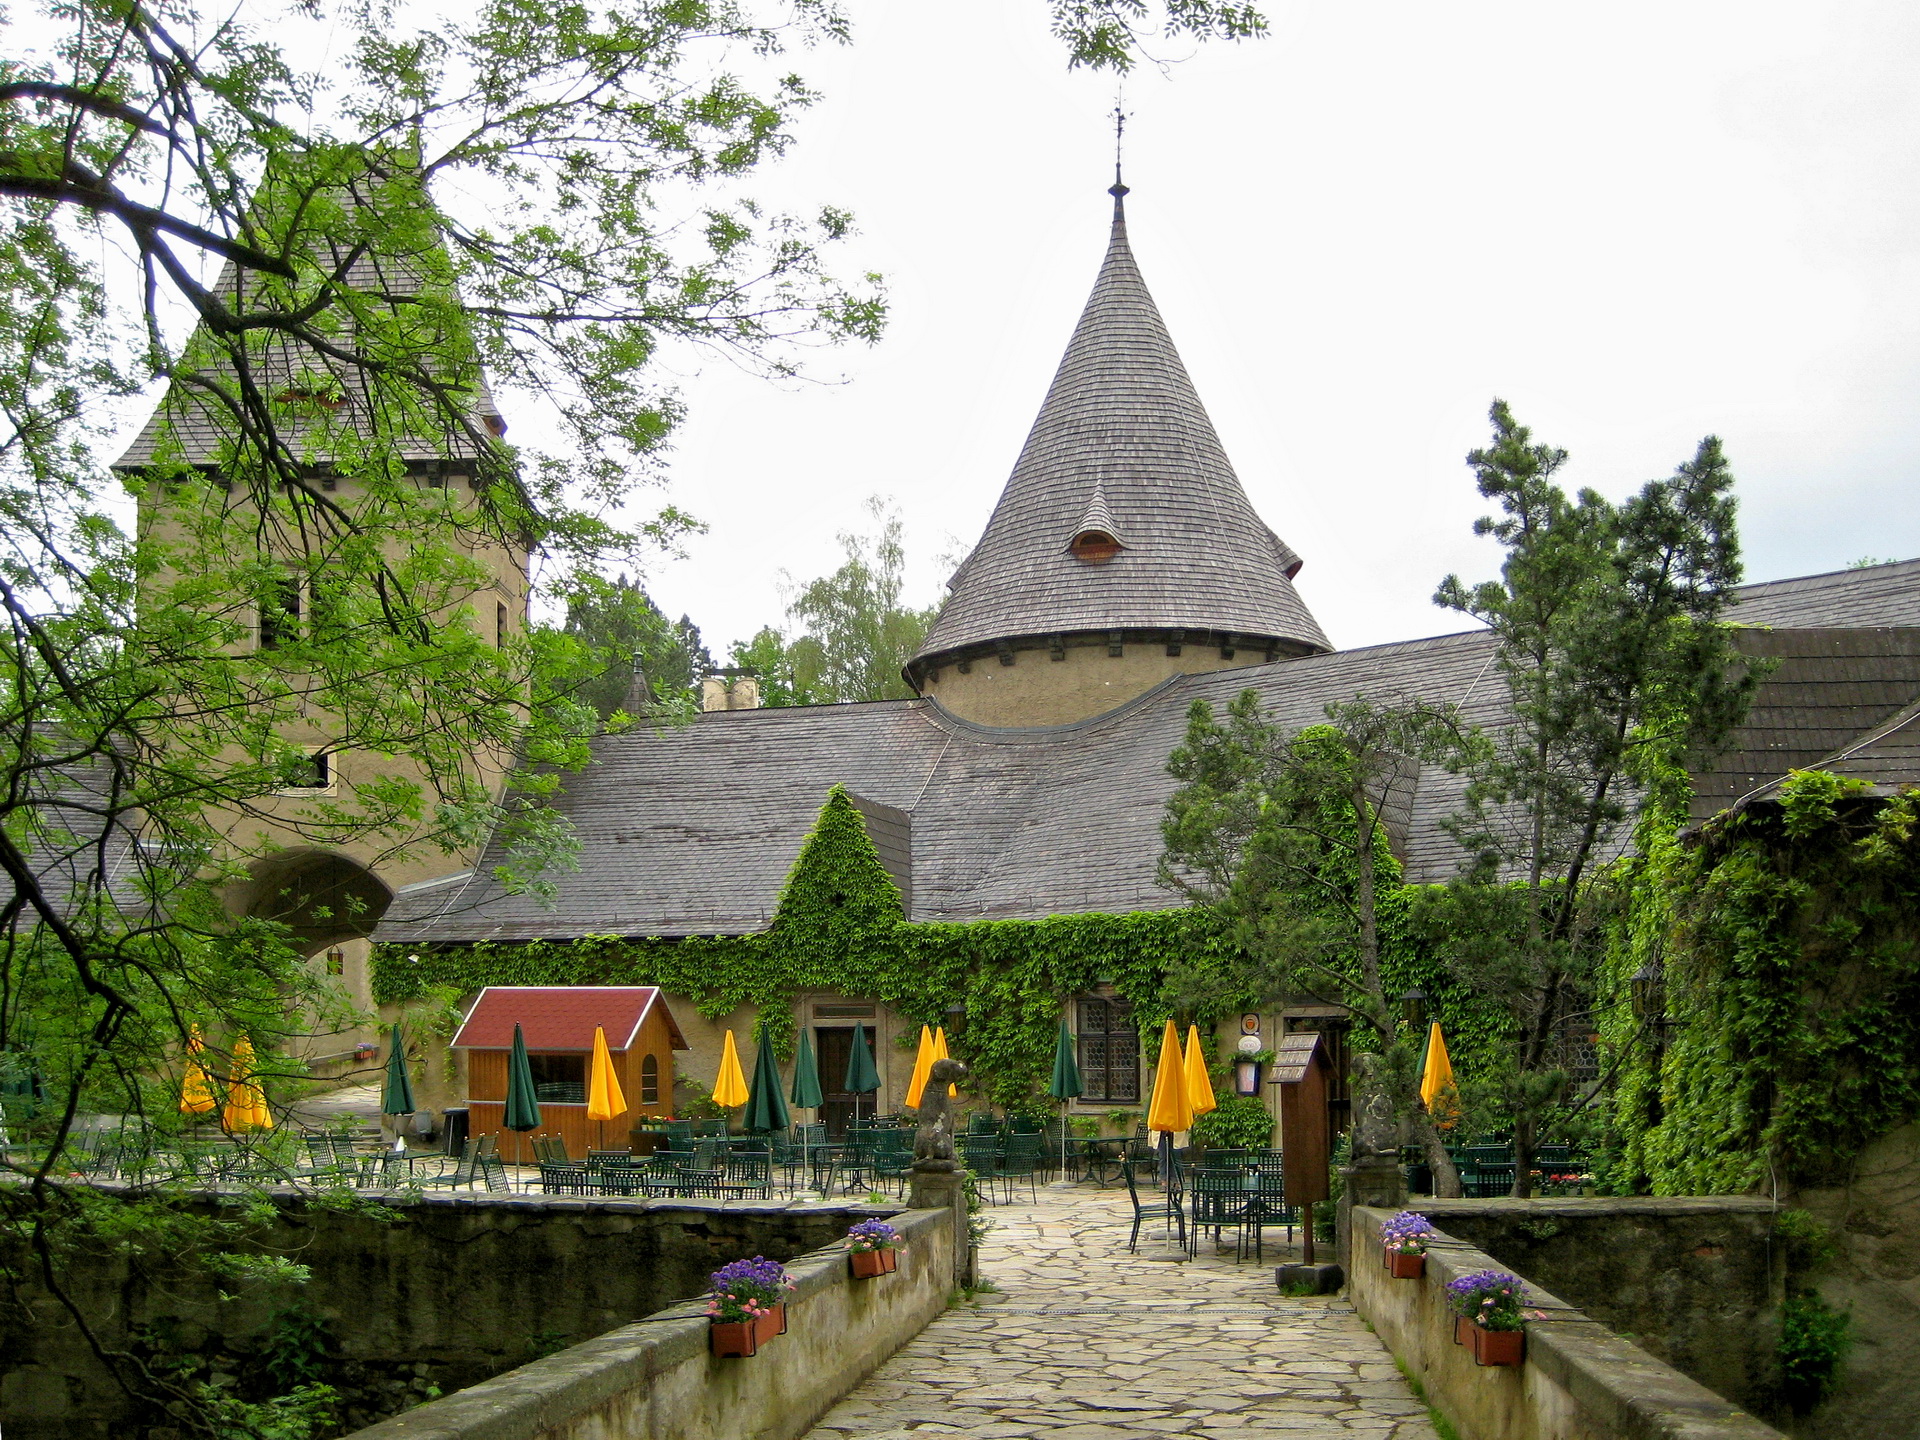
(1442, 1426)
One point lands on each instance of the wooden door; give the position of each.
(832, 1046)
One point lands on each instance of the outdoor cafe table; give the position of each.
(1101, 1161)
(1260, 1203)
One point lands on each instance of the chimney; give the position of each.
(729, 690)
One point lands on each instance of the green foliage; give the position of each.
(1810, 1244)
(1237, 1122)
(299, 1415)
(294, 1352)
(1814, 1338)
(1787, 940)
(855, 634)
(838, 928)
(642, 664)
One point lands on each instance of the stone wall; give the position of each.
(445, 1292)
(1579, 1381)
(656, 1380)
(1694, 1282)
(1875, 1278)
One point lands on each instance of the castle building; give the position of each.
(1123, 575)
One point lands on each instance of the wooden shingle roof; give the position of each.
(1123, 436)
(693, 830)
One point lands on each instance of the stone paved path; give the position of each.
(1087, 1342)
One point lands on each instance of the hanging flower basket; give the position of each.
(746, 1306)
(1497, 1347)
(876, 1249)
(1405, 1239)
(1403, 1266)
(870, 1263)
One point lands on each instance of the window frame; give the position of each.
(1093, 1049)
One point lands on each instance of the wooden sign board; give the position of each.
(1301, 1070)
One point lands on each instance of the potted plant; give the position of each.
(746, 1305)
(876, 1249)
(1405, 1238)
(1486, 1307)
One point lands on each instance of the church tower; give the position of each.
(1123, 549)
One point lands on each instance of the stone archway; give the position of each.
(321, 896)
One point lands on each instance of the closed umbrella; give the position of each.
(940, 1053)
(523, 1106)
(766, 1106)
(1199, 1084)
(604, 1099)
(396, 1094)
(246, 1102)
(922, 1063)
(862, 1077)
(806, 1091)
(730, 1085)
(1437, 1090)
(1065, 1084)
(1170, 1109)
(196, 1090)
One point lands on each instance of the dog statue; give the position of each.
(933, 1139)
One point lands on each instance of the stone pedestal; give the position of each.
(945, 1188)
(1309, 1279)
(1377, 1183)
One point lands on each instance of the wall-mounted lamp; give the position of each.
(1247, 1071)
(1413, 1009)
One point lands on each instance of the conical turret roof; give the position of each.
(1122, 434)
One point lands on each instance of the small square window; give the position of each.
(336, 962)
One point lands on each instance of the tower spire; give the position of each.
(1119, 187)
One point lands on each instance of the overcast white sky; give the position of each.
(1639, 223)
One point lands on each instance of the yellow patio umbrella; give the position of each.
(922, 1063)
(730, 1086)
(1171, 1109)
(604, 1100)
(1437, 1090)
(246, 1101)
(196, 1090)
(940, 1052)
(1199, 1084)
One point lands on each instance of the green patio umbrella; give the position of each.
(396, 1095)
(1065, 1084)
(862, 1077)
(766, 1106)
(523, 1110)
(806, 1092)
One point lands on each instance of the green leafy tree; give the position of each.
(643, 665)
(1284, 835)
(1619, 666)
(856, 635)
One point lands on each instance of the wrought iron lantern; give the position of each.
(1413, 1009)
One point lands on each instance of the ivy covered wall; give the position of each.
(1788, 939)
(840, 928)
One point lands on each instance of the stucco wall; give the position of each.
(1039, 690)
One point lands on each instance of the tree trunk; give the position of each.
(1522, 1156)
(1446, 1176)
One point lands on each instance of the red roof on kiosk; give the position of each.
(562, 1017)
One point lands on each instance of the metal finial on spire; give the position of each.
(1118, 188)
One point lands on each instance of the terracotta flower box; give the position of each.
(1402, 1266)
(773, 1322)
(734, 1337)
(869, 1263)
(1460, 1327)
(1497, 1347)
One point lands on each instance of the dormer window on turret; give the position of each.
(1096, 539)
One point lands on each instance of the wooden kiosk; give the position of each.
(1300, 1070)
(557, 1022)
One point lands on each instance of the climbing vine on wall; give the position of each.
(1788, 936)
(839, 928)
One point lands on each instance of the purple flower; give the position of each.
(1491, 1298)
(746, 1288)
(1408, 1233)
(873, 1235)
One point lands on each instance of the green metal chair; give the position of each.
(1168, 1211)
(985, 1156)
(1020, 1160)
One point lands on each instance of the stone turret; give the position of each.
(1123, 549)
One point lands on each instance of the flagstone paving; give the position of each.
(1086, 1342)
